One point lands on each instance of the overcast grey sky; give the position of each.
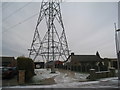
(89, 27)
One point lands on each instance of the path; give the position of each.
(44, 76)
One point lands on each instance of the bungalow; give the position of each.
(111, 62)
(83, 63)
(57, 64)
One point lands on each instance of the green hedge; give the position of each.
(26, 64)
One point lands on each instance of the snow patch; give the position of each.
(43, 74)
(81, 76)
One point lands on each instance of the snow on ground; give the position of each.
(59, 77)
(108, 83)
(68, 79)
(63, 78)
(42, 74)
(81, 76)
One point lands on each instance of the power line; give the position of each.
(20, 22)
(16, 11)
(26, 41)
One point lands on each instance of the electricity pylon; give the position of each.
(53, 46)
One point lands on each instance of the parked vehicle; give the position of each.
(8, 72)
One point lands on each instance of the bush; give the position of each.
(26, 64)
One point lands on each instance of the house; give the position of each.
(111, 62)
(8, 61)
(57, 64)
(83, 63)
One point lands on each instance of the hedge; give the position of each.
(26, 64)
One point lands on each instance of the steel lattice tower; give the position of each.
(53, 45)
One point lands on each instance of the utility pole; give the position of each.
(53, 46)
(117, 40)
(119, 43)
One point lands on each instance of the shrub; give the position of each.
(26, 64)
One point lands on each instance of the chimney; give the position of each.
(72, 54)
(97, 54)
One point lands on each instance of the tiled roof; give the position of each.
(85, 58)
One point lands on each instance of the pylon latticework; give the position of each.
(53, 45)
